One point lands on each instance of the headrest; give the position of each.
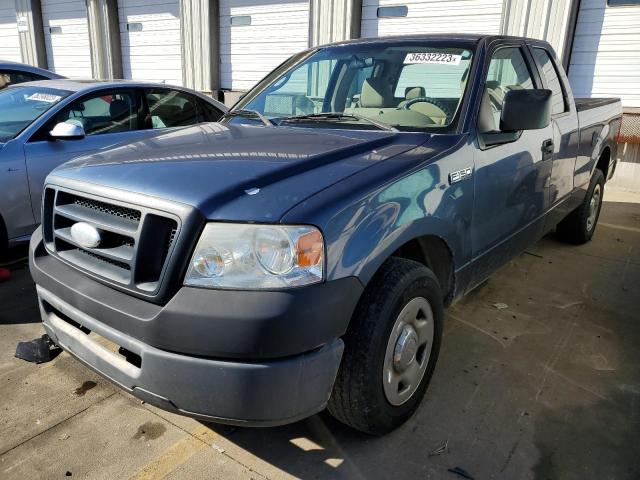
(375, 93)
(188, 107)
(414, 92)
(118, 109)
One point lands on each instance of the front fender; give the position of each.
(407, 203)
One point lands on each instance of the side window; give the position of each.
(171, 108)
(103, 112)
(11, 77)
(508, 70)
(211, 113)
(550, 73)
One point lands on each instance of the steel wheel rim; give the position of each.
(408, 351)
(594, 205)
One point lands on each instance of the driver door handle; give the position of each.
(547, 147)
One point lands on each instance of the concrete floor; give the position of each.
(546, 388)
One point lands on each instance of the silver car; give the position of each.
(46, 123)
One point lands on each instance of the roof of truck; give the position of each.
(440, 37)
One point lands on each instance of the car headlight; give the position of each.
(231, 255)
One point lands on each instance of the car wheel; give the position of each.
(578, 227)
(391, 348)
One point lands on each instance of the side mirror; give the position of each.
(67, 131)
(525, 110)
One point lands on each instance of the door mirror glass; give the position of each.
(526, 110)
(67, 131)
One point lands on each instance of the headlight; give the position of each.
(230, 255)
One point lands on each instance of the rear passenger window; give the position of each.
(553, 81)
(171, 108)
(508, 70)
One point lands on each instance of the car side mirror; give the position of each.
(67, 131)
(525, 110)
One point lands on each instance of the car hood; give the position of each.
(238, 172)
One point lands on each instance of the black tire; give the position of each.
(576, 228)
(358, 398)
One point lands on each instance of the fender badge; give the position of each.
(459, 175)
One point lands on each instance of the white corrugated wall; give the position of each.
(542, 19)
(151, 47)
(278, 29)
(605, 60)
(433, 16)
(9, 39)
(68, 51)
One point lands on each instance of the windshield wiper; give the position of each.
(248, 113)
(336, 116)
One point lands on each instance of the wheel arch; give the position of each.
(432, 251)
(604, 161)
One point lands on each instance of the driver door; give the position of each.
(108, 117)
(511, 178)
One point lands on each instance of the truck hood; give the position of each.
(238, 172)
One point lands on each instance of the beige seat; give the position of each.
(376, 102)
(432, 111)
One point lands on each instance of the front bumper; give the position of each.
(243, 382)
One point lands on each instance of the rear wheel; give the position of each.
(391, 349)
(578, 227)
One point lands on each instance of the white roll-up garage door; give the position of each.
(66, 36)
(605, 60)
(393, 17)
(9, 41)
(150, 36)
(257, 35)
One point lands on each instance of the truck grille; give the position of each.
(135, 242)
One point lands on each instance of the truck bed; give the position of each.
(586, 103)
(594, 112)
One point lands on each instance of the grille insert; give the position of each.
(113, 210)
(135, 242)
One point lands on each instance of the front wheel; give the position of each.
(391, 348)
(578, 227)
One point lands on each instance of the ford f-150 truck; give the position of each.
(299, 253)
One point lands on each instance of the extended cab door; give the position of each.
(566, 133)
(511, 168)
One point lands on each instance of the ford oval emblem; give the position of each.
(85, 235)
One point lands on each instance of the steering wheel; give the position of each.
(433, 101)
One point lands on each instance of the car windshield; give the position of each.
(412, 86)
(19, 106)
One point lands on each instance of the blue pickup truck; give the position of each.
(299, 253)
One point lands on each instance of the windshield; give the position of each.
(417, 86)
(19, 106)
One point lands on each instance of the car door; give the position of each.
(109, 117)
(511, 189)
(566, 135)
